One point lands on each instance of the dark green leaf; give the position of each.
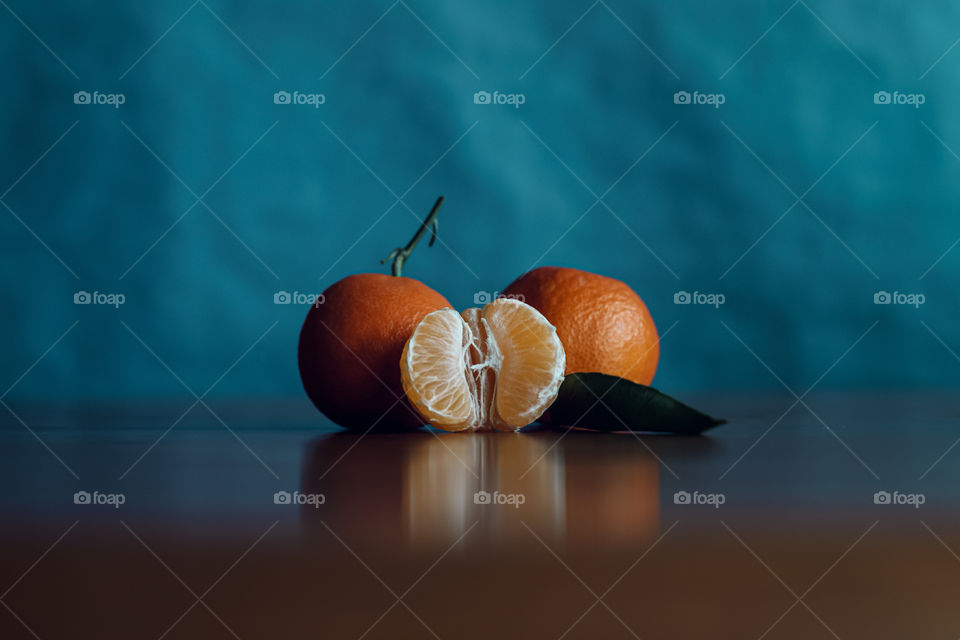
(607, 403)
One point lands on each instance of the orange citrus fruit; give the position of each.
(603, 324)
(495, 368)
(350, 345)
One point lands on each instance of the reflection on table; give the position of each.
(428, 488)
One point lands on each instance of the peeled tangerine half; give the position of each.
(495, 368)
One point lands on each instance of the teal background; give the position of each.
(314, 199)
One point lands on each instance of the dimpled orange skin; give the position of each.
(350, 346)
(603, 324)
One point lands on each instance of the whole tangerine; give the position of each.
(350, 346)
(603, 324)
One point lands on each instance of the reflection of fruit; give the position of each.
(602, 322)
(351, 343)
(498, 367)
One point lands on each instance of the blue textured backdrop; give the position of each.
(104, 199)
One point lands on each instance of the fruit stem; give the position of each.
(400, 254)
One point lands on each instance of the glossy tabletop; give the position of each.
(834, 516)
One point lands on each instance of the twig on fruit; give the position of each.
(400, 254)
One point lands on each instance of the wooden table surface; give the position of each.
(787, 533)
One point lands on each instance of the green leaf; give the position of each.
(607, 403)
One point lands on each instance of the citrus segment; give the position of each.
(435, 352)
(531, 361)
